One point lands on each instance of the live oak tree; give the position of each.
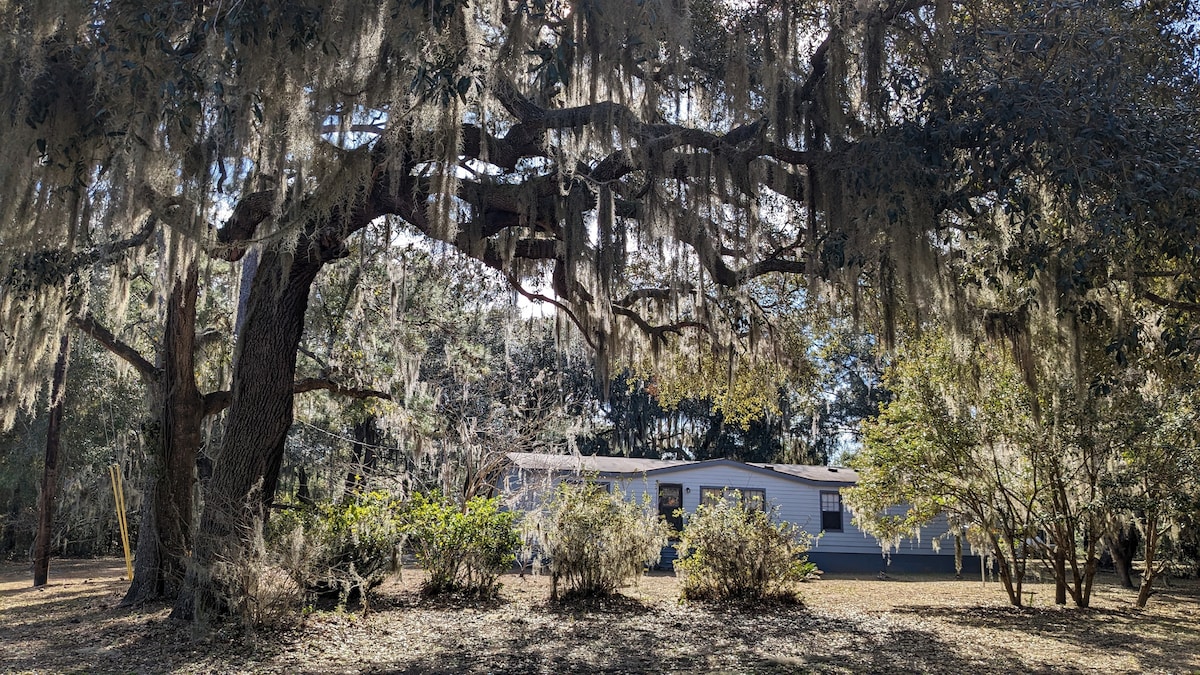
(651, 159)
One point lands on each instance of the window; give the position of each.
(831, 511)
(603, 485)
(670, 504)
(754, 499)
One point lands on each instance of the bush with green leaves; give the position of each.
(463, 548)
(730, 552)
(593, 540)
(343, 548)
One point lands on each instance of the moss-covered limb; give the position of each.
(32, 271)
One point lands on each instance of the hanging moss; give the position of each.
(653, 157)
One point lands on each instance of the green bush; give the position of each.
(344, 548)
(728, 552)
(463, 548)
(594, 541)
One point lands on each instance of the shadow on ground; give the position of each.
(77, 627)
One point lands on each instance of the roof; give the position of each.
(589, 463)
(632, 465)
(831, 474)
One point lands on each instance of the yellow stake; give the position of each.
(119, 496)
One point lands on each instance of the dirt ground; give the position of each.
(846, 625)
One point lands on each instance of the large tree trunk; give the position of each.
(41, 548)
(165, 535)
(246, 469)
(366, 440)
(1122, 546)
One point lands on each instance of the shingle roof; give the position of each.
(589, 463)
(829, 474)
(634, 465)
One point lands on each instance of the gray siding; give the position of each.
(798, 501)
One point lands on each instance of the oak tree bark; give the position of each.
(165, 534)
(1122, 544)
(246, 469)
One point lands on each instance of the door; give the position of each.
(670, 504)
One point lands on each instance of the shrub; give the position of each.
(339, 548)
(594, 541)
(463, 549)
(728, 552)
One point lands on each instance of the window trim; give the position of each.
(841, 510)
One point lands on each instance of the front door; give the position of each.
(670, 504)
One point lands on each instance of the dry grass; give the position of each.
(917, 624)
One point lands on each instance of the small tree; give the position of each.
(594, 540)
(1158, 478)
(463, 548)
(729, 551)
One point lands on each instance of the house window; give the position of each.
(831, 511)
(754, 499)
(670, 504)
(603, 485)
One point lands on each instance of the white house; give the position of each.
(806, 496)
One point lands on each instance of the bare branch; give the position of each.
(88, 325)
(377, 129)
(769, 265)
(1173, 304)
(653, 294)
(538, 297)
(109, 252)
(658, 332)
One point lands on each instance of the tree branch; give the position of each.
(653, 294)
(1173, 304)
(50, 267)
(377, 129)
(317, 383)
(249, 213)
(216, 401)
(538, 297)
(88, 325)
(108, 252)
(658, 332)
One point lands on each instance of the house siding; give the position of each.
(797, 500)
